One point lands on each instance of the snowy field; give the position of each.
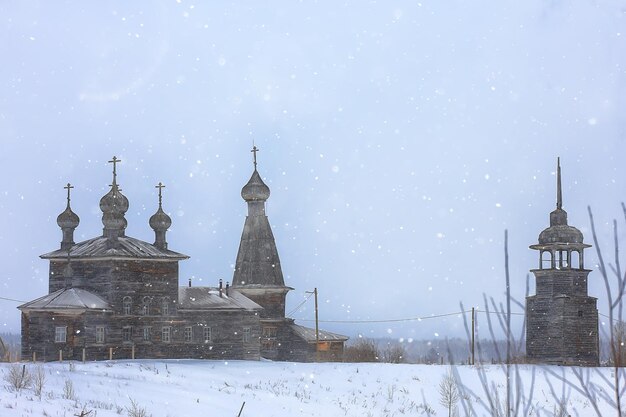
(217, 388)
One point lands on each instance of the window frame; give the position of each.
(147, 334)
(188, 334)
(100, 334)
(58, 332)
(166, 330)
(127, 334)
(145, 306)
(246, 335)
(207, 331)
(127, 305)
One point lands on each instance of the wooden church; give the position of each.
(115, 296)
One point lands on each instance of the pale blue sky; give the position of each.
(399, 139)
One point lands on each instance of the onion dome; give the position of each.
(160, 222)
(114, 205)
(68, 221)
(255, 189)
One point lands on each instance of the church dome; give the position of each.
(559, 231)
(114, 201)
(113, 205)
(560, 234)
(255, 189)
(68, 219)
(160, 220)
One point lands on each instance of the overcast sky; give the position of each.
(399, 139)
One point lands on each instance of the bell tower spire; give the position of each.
(559, 196)
(258, 274)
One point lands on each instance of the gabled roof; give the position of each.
(208, 298)
(308, 334)
(126, 247)
(68, 299)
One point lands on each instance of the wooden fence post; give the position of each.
(60, 355)
(84, 356)
(110, 353)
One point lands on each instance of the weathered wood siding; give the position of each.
(562, 321)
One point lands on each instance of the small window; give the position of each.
(127, 334)
(270, 332)
(206, 333)
(165, 307)
(188, 334)
(147, 334)
(99, 334)
(166, 334)
(246, 334)
(127, 305)
(145, 307)
(580, 313)
(60, 334)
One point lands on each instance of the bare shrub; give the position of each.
(17, 378)
(364, 350)
(68, 390)
(135, 410)
(39, 380)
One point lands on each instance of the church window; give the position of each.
(268, 342)
(206, 333)
(188, 334)
(165, 307)
(147, 333)
(166, 334)
(246, 334)
(127, 305)
(99, 334)
(127, 334)
(60, 334)
(145, 308)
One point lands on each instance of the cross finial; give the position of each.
(160, 187)
(68, 187)
(114, 161)
(254, 151)
(559, 197)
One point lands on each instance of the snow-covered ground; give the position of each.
(218, 388)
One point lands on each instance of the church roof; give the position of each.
(67, 299)
(126, 247)
(208, 298)
(308, 334)
(257, 262)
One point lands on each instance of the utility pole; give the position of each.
(317, 327)
(473, 331)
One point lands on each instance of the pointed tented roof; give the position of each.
(127, 247)
(68, 299)
(308, 334)
(208, 298)
(257, 260)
